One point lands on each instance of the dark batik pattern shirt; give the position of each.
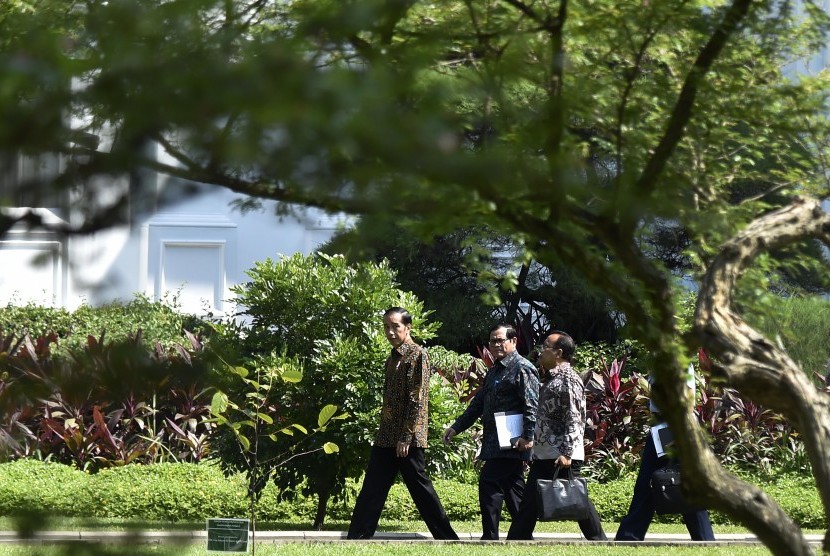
(403, 416)
(560, 421)
(511, 385)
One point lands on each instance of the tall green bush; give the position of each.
(328, 315)
(457, 377)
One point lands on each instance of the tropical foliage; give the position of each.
(160, 322)
(92, 411)
(109, 404)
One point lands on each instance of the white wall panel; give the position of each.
(192, 257)
(197, 271)
(32, 271)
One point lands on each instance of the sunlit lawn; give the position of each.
(376, 548)
(80, 524)
(386, 549)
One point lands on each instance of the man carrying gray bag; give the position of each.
(555, 489)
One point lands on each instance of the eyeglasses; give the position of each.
(547, 346)
(498, 341)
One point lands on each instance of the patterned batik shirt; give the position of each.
(403, 416)
(511, 385)
(560, 421)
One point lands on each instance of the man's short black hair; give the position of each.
(565, 343)
(406, 318)
(509, 331)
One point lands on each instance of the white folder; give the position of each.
(509, 427)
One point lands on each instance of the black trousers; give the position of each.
(634, 525)
(501, 482)
(384, 465)
(524, 524)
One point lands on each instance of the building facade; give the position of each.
(180, 240)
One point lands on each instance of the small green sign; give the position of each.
(227, 535)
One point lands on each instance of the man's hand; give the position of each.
(523, 445)
(563, 462)
(402, 449)
(448, 434)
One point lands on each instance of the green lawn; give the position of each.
(90, 524)
(377, 548)
(385, 549)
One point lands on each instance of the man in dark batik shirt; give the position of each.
(511, 386)
(402, 437)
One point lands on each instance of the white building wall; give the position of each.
(195, 250)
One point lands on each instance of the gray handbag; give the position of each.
(562, 499)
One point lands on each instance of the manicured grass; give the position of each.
(373, 549)
(377, 548)
(386, 549)
(116, 524)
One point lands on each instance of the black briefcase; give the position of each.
(666, 493)
(562, 499)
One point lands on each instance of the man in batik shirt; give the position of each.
(402, 437)
(560, 428)
(511, 386)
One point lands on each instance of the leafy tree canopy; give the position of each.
(456, 273)
(440, 271)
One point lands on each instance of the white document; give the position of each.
(509, 427)
(662, 438)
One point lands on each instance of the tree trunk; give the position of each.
(764, 373)
(512, 310)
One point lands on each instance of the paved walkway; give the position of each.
(275, 537)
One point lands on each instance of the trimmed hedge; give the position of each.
(29, 485)
(165, 491)
(159, 321)
(174, 492)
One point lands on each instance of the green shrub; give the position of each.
(159, 321)
(613, 497)
(327, 315)
(34, 320)
(596, 356)
(32, 485)
(450, 461)
(167, 492)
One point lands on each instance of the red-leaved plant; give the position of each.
(616, 418)
(111, 403)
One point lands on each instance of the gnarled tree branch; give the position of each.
(762, 371)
